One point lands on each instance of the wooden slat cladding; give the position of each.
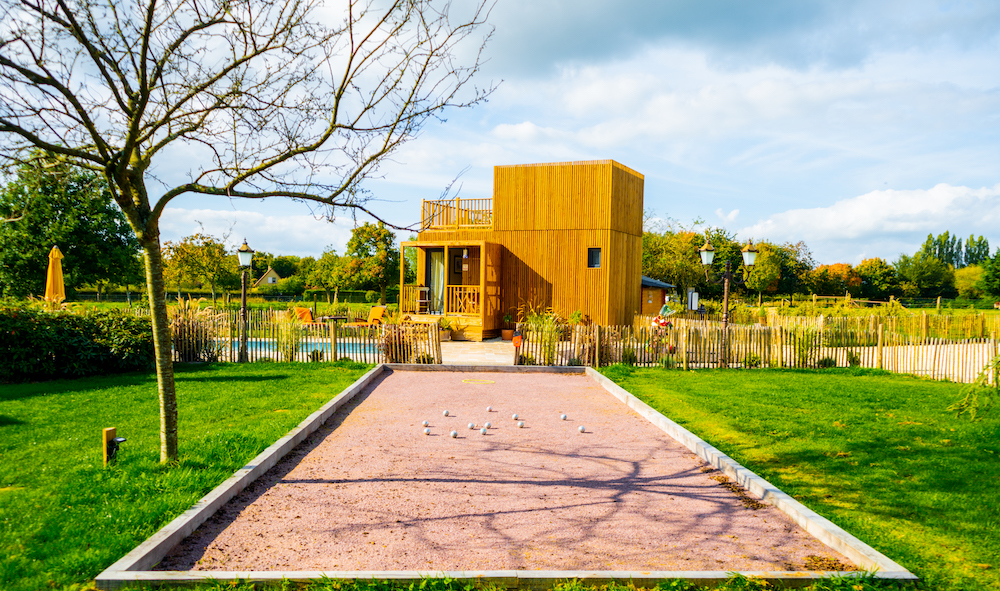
(545, 218)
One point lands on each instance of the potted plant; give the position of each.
(444, 328)
(507, 333)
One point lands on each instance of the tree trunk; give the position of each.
(163, 346)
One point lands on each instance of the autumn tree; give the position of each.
(373, 259)
(203, 258)
(836, 279)
(241, 99)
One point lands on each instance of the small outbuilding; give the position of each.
(654, 295)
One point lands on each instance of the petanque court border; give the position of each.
(135, 567)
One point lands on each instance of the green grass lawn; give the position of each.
(64, 517)
(873, 452)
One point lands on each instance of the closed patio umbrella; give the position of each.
(54, 289)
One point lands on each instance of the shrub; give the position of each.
(574, 362)
(315, 355)
(852, 359)
(751, 361)
(425, 358)
(39, 345)
(826, 362)
(371, 296)
(526, 359)
(668, 362)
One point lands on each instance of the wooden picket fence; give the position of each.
(694, 344)
(205, 335)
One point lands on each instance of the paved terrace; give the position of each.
(491, 352)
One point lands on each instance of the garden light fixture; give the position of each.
(726, 278)
(245, 254)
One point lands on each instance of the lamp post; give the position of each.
(749, 258)
(245, 255)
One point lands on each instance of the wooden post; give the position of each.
(597, 345)
(878, 351)
(109, 434)
(684, 345)
(923, 327)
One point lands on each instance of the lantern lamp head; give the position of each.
(245, 254)
(749, 254)
(707, 253)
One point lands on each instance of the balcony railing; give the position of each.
(464, 300)
(457, 213)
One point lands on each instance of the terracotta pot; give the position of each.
(507, 334)
(444, 335)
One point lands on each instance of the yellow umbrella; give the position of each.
(54, 289)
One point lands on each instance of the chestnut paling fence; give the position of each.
(693, 344)
(901, 345)
(205, 335)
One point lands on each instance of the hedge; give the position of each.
(37, 345)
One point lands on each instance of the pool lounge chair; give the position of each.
(374, 317)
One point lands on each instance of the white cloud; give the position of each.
(299, 235)
(727, 217)
(870, 224)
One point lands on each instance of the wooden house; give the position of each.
(566, 236)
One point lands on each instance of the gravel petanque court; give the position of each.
(370, 491)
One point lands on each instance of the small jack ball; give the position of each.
(454, 434)
(489, 409)
(514, 416)
(427, 431)
(445, 413)
(427, 424)
(488, 425)
(563, 417)
(520, 424)
(472, 425)
(581, 429)
(483, 430)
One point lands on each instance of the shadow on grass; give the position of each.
(5, 420)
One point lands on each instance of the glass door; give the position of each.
(436, 279)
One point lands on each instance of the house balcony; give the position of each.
(454, 214)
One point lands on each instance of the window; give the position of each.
(594, 258)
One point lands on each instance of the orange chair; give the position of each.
(305, 315)
(374, 317)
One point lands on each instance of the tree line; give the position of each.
(56, 204)
(943, 266)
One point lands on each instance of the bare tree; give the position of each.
(253, 98)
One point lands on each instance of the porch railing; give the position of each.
(463, 299)
(457, 213)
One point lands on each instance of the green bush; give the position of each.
(37, 345)
(852, 359)
(826, 363)
(751, 361)
(371, 296)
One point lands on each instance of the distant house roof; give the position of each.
(650, 282)
(269, 274)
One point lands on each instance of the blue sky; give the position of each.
(858, 127)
